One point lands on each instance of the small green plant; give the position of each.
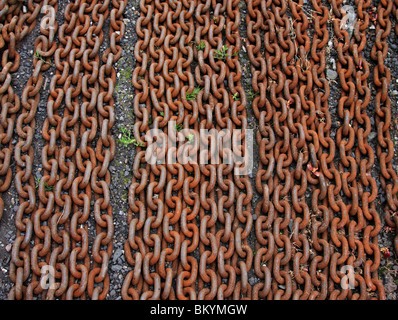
(178, 127)
(221, 54)
(126, 138)
(190, 137)
(192, 96)
(39, 57)
(125, 196)
(162, 114)
(251, 95)
(201, 46)
(37, 180)
(235, 96)
(47, 187)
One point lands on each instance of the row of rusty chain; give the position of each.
(79, 110)
(15, 25)
(385, 146)
(294, 131)
(288, 80)
(189, 223)
(20, 266)
(395, 14)
(356, 155)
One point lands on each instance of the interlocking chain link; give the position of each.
(75, 159)
(15, 25)
(364, 221)
(190, 222)
(24, 181)
(194, 219)
(291, 103)
(385, 147)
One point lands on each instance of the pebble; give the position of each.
(333, 63)
(372, 135)
(394, 92)
(291, 223)
(331, 74)
(116, 268)
(117, 254)
(390, 287)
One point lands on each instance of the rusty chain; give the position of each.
(15, 25)
(20, 266)
(385, 147)
(190, 224)
(353, 133)
(205, 208)
(341, 199)
(79, 110)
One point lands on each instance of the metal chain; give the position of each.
(385, 147)
(172, 37)
(356, 156)
(190, 222)
(20, 266)
(15, 25)
(292, 75)
(75, 159)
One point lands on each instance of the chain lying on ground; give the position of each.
(179, 211)
(26, 224)
(356, 156)
(189, 222)
(385, 147)
(15, 25)
(294, 132)
(285, 83)
(72, 173)
(395, 14)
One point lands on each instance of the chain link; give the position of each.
(190, 223)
